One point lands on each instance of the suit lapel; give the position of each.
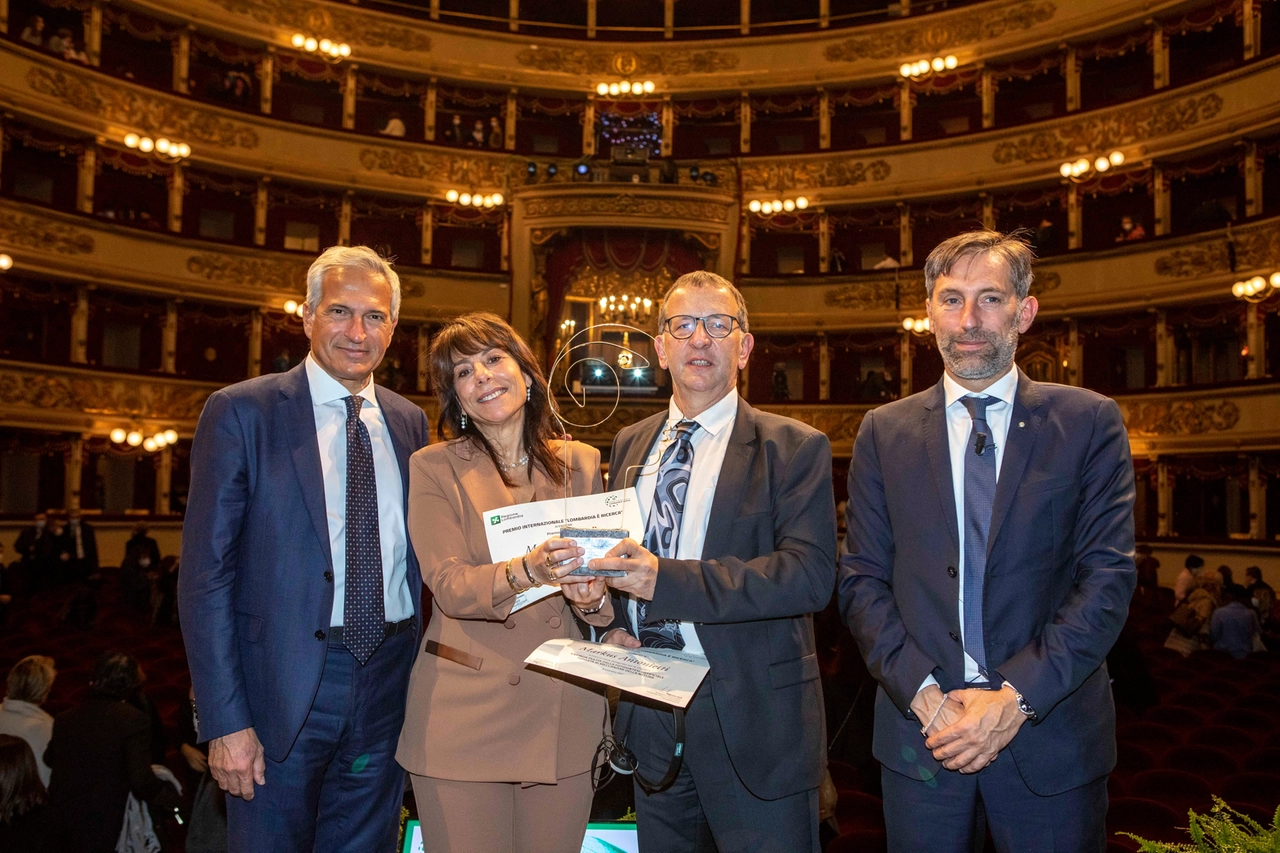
(732, 485)
(1024, 424)
(934, 427)
(305, 450)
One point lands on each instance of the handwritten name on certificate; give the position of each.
(514, 531)
(663, 675)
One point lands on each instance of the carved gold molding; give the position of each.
(476, 172)
(1110, 129)
(356, 28)
(618, 282)
(109, 395)
(1255, 246)
(32, 232)
(626, 204)
(214, 266)
(572, 60)
(812, 174)
(930, 37)
(143, 111)
(1185, 417)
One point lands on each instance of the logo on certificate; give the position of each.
(495, 519)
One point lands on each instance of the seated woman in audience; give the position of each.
(99, 755)
(26, 689)
(1191, 619)
(26, 824)
(500, 755)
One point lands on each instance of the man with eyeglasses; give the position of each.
(738, 551)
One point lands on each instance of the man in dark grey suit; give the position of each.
(739, 550)
(989, 571)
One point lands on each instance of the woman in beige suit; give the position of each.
(500, 755)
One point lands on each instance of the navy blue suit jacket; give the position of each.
(253, 591)
(1059, 576)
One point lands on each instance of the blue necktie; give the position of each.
(979, 497)
(662, 533)
(364, 611)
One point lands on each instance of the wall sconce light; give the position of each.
(768, 208)
(925, 67)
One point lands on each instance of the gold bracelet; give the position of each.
(525, 562)
(511, 578)
(597, 608)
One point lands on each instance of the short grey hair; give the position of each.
(1012, 248)
(360, 257)
(31, 679)
(704, 278)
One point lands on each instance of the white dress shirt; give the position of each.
(328, 401)
(31, 723)
(959, 425)
(710, 442)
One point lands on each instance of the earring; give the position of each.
(464, 421)
(528, 393)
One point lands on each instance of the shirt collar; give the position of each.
(1003, 389)
(325, 389)
(713, 419)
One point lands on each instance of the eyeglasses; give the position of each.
(682, 326)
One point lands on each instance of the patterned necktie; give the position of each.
(979, 497)
(662, 533)
(364, 611)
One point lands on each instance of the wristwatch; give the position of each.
(1027, 710)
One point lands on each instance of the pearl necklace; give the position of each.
(523, 460)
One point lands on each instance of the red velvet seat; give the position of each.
(1263, 761)
(844, 776)
(1221, 687)
(1208, 762)
(1252, 788)
(1148, 818)
(1197, 700)
(856, 810)
(1153, 737)
(1132, 758)
(859, 841)
(1174, 715)
(1234, 740)
(1243, 718)
(1176, 788)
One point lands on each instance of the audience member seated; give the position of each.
(141, 562)
(1190, 630)
(477, 137)
(1261, 595)
(26, 690)
(1130, 229)
(1234, 627)
(1047, 239)
(394, 126)
(236, 89)
(1229, 585)
(1182, 585)
(99, 755)
(454, 134)
(27, 825)
(33, 33)
(496, 135)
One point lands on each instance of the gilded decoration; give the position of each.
(625, 63)
(32, 232)
(616, 282)
(812, 174)
(1110, 129)
(1258, 246)
(1183, 417)
(363, 29)
(628, 205)
(103, 396)
(839, 423)
(212, 266)
(905, 290)
(142, 111)
(935, 37)
(445, 168)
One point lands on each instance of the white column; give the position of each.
(1075, 223)
(988, 212)
(904, 109)
(428, 233)
(85, 177)
(349, 87)
(73, 471)
(434, 10)
(266, 79)
(591, 19)
(668, 19)
(1160, 192)
(80, 327)
(824, 241)
(905, 254)
(988, 86)
(261, 201)
(344, 220)
(255, 343)
(512, 113)
(164, 479)
(1255, 327)
(1251, 18)
(824, 119)
(93, 35)
(429, 112)
(1075, 355)
(1159, 57)
(177, 191)
(744, 121)
(1071, 71)
(744, 243)
(4, 16)
(668, 126)
(182, 62)
(1257, 499)
(824, 14)
(1164, 499)
(824, 369)
(513, 15)
(904, 363)
(589, 127)
(1164, 360)
(1252, 180)
(169, 339)
(744, 17)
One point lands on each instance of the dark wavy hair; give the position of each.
(116, 675)
(472, 334)
(20, 787)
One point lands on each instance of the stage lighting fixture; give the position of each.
(582, 168)
(552, 170)
(694, 171)
(532, 169)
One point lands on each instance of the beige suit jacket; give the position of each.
(489, 718)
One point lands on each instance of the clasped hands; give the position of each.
(553, 560)
(966, 729)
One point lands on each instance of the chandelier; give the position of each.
(625, 308)
(917, 325)
(924, 67)
(626, 87)
(327, 49)
(768, 208)
(163, 148)
(1256, 289)
(474, 199)
(1083, 168)
(151, 444)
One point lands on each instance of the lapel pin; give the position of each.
(1022, 424)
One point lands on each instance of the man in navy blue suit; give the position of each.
(299, 590)
(989, 571)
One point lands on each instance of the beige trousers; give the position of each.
(503, 817)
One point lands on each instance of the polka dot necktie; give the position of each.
(979, 498)
(662, 533)
(364, 611)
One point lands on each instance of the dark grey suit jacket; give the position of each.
(1059, 575)
(767, 564)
